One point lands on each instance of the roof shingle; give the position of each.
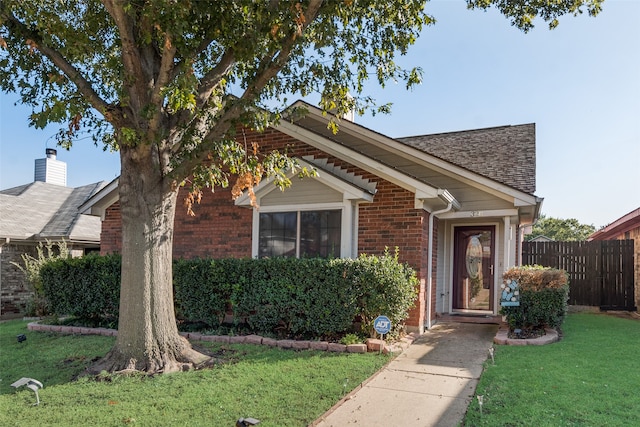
(39, 210)
(506, 154)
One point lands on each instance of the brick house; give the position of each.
(455, 204)
(44, 210)
(626, 227)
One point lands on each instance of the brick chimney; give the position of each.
(51, 170)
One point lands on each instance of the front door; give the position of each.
(473, 268)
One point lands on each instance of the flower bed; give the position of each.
(534, 301)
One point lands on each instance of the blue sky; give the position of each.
(579, 83)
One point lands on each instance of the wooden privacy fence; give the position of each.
(600, 272)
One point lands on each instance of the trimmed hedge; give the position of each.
(86, 287)
(285, 297)
(543, 293)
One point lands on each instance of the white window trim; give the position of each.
(348, 219)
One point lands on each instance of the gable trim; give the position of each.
(98, 204)
(348, 190)
(408, 152)
(426, 196)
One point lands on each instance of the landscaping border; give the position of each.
(502, 337)
(371, 344)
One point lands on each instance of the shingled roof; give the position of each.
(39, 211)
(506, 154)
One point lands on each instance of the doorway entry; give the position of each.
(473, 269)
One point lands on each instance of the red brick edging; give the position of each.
(371, 345)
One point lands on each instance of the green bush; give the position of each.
(51, 251)
(384, 286)
(543, 294)
(283, 297)
(86, 287)
(202, 288)
(296, 297)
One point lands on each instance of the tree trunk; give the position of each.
(148, 338)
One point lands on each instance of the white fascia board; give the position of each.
(480, 214)
(441, 166)
(350, 192)
(525, 201)
(422, 190)
(97, 205)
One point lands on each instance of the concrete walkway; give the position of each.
(430, 384)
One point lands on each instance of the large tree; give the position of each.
(560, 229)
(154, 80)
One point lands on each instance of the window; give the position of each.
(300, 234)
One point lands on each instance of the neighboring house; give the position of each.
(455, 204)
(541, 238)
(44, 210)
(625, 228)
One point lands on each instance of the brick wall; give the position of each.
(15, 292)
(221, 229)
(635, 235)
(111, 232)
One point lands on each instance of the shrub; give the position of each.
(296, 297)
(202, 288)
(543, 293)
(287, 297)
(86, 287)
(384, 286)
(51, 251)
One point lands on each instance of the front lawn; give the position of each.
(590, 378)
(278, 387)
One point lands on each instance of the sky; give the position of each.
(579, 83)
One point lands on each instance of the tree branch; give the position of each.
(187, 58)
(111, 114)
(164, 77)
(214, 76)
(131, 60)
(271, 66)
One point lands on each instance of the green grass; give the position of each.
(278, 387)
(589, 378)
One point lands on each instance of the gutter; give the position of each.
(520, 236)
(432, 215)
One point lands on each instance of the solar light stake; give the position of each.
(31, 384)
(480, 399)
(247, 422)
(491, 350)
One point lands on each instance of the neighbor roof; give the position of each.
(39, 211)
(617, 228)
(506, 154)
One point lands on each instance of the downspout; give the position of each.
(430, 259)
(520, 237)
